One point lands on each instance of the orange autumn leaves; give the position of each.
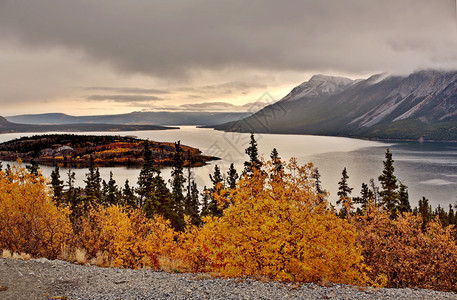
(276, 225)
(29, 220)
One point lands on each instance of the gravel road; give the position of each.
(45, 279)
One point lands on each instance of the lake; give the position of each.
(428, 169)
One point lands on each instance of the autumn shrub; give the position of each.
(30, 221)
(127, 237)
(277, 226)
(405, 253)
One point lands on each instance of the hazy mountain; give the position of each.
(9, 127)
(423, 104)
(151, 118)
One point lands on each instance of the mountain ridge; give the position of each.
(168, 118)
(421, 105)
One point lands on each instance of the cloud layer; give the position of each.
(178, 41)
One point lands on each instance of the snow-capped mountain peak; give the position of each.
(318, 86)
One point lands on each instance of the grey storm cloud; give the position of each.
(176, 38)
(123, 98)
(127, 90)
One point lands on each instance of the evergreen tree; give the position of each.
(162, 198)
(277, 164)
(217, 180)
(57, 185)
(1, 166)
(343, 192)
(191, 202)
(93, 189)
(403, 197)
(426, 212)
(389, 196)
(74, 200)
(232, 177)
(320, 192)
(177, 187)
(206, 198)
(366, 196)
(112, 194)
(451, 217)
(128, 196)
(375, 191)
(253, 153)
(145, 188)
(33, 167)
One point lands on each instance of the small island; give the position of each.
(70, 150)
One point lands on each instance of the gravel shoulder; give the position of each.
(45, 279)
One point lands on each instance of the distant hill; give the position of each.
(134, 118)
(9, 127)
(422, 105)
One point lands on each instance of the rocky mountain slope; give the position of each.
(421, 105)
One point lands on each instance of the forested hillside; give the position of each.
(271, 221)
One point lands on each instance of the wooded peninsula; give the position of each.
(74, 151)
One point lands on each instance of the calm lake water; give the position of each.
(428, 169)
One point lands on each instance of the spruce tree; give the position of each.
(112, 195)
(191, 202)
(343, 192)
(57, 186)
(145, 188)
(1, 166)
(253, 153)
(33, 167)
(277, 164)
(206, 198)
(320, 192)
(366, 196)
(93, 189)
(128, 196)
(232, 176)
(403, 198)
(177, 187)
(389, 196)
(217, 180)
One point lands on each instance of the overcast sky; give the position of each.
(101, 57)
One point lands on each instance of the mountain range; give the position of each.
(134, 118)
(422, 105)
(9, 127)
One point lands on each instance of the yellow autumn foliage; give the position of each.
(404, 253)
(127, 237)
(29, 220)
(278, 227)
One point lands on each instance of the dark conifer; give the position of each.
(145, 188)
(403, 198)
(33, 167)
(366, 196)
(343, 192)
(276, 160)
(320, 191)
(389, 196)
(254, 161)
(128, 196)
(112, 195)
(177, 187)
(217, 180)
(93, 189)
(57, 185)
(232, 177)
